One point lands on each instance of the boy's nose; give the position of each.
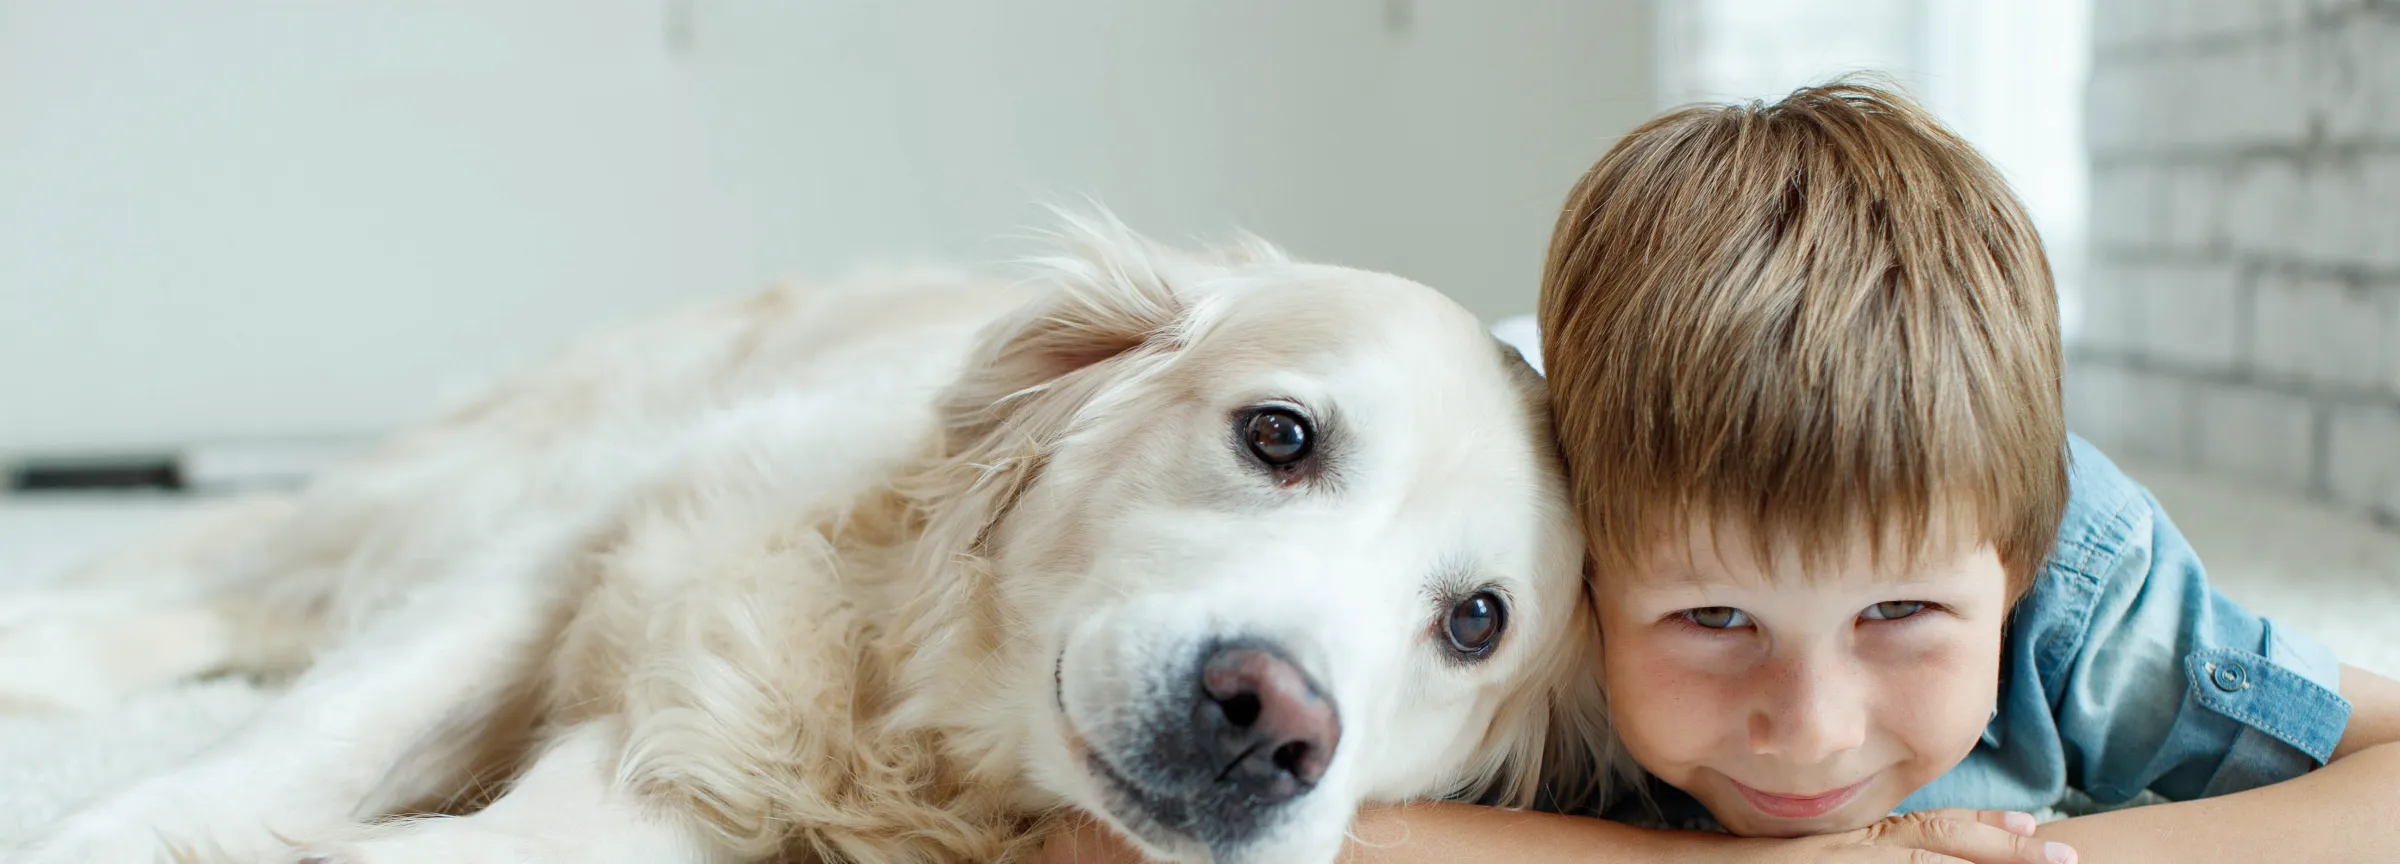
(1815, 709)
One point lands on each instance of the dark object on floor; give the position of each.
(96, 473)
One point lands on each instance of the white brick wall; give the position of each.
(2124, 206)
(2116, 407)
(2336, 216)
(2111, 320)
(2262, 207)
(2363, 52)
(2321, 331)
(2379, 214)
(2190, 210)
(2242, 310)
(2258, 435)
(2192, 315)
(2361, 441)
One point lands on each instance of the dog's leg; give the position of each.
(569, 808)
(355, 732)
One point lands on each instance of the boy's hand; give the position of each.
(1931, 837)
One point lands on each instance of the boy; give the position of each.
(1847, 561)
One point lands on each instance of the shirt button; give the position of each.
(2230, 677)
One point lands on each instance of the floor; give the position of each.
(41, 536)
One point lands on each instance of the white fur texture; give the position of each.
(50, 762)
(897, 570)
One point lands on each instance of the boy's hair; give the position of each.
(1805, 317)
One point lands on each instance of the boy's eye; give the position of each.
(1717, 617)
(1893, 610)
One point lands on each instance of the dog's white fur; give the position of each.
(873, 572)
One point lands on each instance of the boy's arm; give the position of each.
(2374, 711)
(1445, 832)
(2341, 812)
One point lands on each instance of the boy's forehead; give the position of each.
(1717, 550)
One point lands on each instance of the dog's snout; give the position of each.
(1270, 730)
(1229, 747)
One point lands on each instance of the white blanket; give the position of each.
(47, 763)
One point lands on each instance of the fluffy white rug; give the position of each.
(48, 763)
(2321, 571)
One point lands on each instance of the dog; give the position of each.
(1210, 546)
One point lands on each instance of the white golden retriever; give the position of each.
(1214, 546)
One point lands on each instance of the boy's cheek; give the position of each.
(1946, 649)
(1970, 653)
(1939, 697)
(1660, 697)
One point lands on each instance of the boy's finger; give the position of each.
(2015, 822)
(1975, 839)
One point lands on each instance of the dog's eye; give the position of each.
(1278, 436)
(1475, 623)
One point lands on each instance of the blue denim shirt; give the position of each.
(2123, 672)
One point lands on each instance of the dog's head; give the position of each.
(1269, 540)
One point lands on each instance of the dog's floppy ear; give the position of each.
(1108, 292)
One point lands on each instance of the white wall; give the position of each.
(250, 219)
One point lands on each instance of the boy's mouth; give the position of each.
(1799, 806)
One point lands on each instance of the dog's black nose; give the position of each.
(1267, 727)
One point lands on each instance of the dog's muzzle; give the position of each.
(1251, 731)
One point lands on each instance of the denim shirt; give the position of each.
(2122, 673)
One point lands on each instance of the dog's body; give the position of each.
(823, 575)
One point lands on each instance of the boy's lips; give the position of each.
(1799, 807)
